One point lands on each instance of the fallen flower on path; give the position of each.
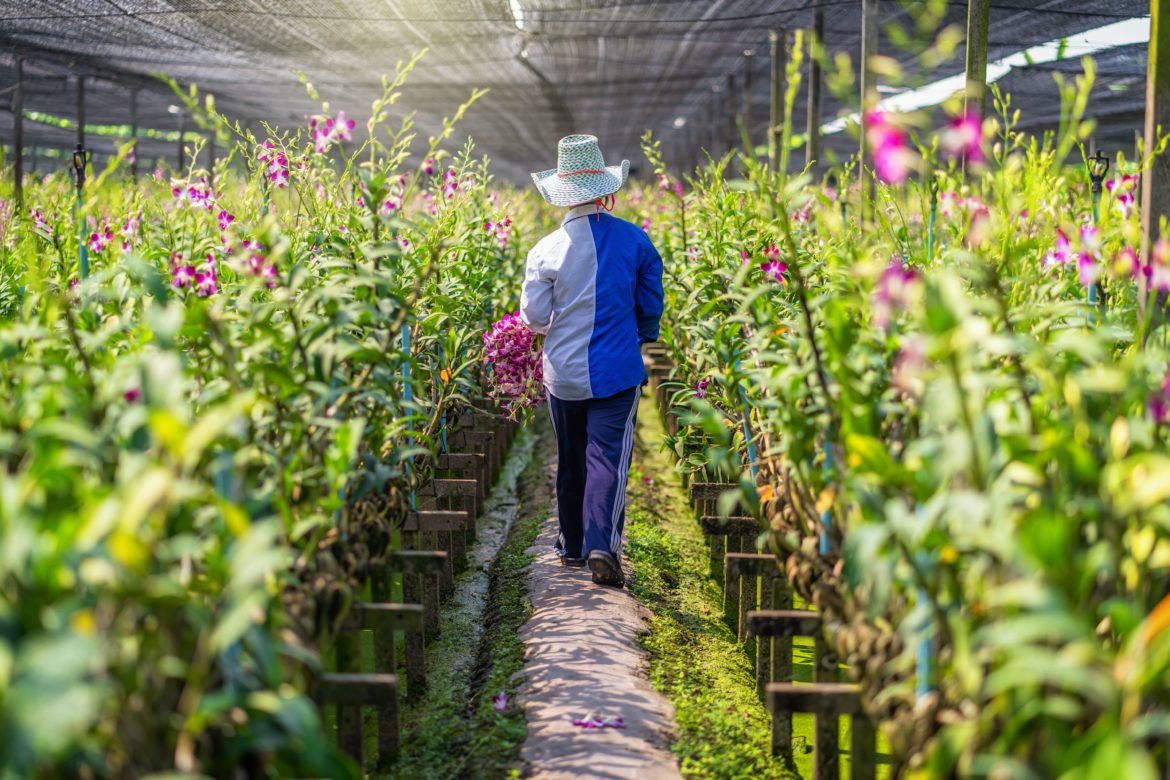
(593, 722)
(500, 703)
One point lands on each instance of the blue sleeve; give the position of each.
(648, 295)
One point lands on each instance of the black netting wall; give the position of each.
(553, 66)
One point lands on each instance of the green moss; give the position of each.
(695, 660)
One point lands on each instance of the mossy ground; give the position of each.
(724, 730)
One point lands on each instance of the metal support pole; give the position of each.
(732, 125)
(748, 61)
(777, 42)
(80, 161)
(978, 19)
(18, 134)
(869, 94)
(81, 111)
(1156, 181)
(812, 144)
(1098, 170)
(134, 133)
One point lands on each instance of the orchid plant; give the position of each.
(212, 436)
(961, 455)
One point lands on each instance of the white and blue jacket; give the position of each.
(594, 286)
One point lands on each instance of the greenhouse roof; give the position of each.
(553, 66)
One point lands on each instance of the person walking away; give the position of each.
(594, 288)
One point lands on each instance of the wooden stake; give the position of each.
(812, 146)
(1156, 181)
(18, 134)
(778, 44)
(978, 18)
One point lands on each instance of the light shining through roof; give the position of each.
(517, 13)
(1110, 36)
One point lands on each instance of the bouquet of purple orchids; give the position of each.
(516, 378)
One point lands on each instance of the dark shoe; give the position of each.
(606, 569)
(576, 563)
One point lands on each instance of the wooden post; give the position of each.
(1156, 181)
(732, 125)
(18, 134)
(777, 42)
(134, 133)
(748, 60)
(81, 110)
(812, 144)
(349, 718)
(869, 95)
(978, 16)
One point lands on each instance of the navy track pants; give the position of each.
(595, 441)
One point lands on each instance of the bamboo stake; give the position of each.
(778, 44)
(978, 19)
(1156, 180)
(812, 147)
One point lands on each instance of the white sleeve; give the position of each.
(536, 297)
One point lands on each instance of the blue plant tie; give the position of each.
(925, 653)
(443, 418)
(752, 453)
(82, 245)
(930, 225)
(827, 470)
(408, 396)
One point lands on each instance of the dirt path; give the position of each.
(582, 658)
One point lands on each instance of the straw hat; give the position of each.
(581, 174)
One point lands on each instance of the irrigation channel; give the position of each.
(693, 658)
